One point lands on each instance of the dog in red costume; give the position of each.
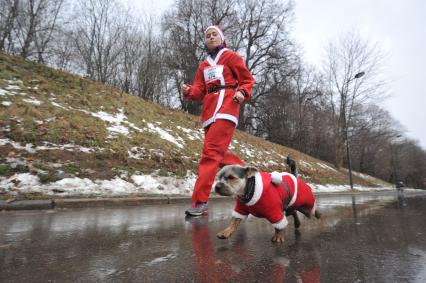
(271, 196)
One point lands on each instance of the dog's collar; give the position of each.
(253, 190)
(248, 190)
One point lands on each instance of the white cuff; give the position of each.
(238, 215)
(281, 224)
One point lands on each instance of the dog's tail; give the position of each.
(292, 164)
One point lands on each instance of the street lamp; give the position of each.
(357, 76)
(394, 161)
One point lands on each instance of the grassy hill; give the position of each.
(57, 125)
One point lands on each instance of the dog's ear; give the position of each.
(250, 171)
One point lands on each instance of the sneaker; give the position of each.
(197, 209)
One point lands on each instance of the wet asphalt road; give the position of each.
(366, 238)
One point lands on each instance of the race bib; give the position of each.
(213, 73)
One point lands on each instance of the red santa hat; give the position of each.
(219, 31)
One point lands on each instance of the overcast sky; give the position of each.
(398, 25)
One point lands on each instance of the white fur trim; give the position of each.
(221, 93)
(258, 190)
(238, 215)
(227, 117)
(281, 224)
(214, 62)
(294, 179)
(222, 36)
(276, 178)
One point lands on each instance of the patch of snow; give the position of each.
(361, 175)
(6, 103)
(165, 135)
(29, 147)
(47, 146)
(13, 87)
(117, 129)
(18, 181)
(136, 152)
(34, 101)
(58, 105)
(3, 92)
(305, 164)
(325, 166)
(117, 120)
(344, 188)
(28, 183)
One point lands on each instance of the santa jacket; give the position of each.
(227, 68)
(270, 195)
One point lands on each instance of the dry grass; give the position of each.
(71, 124)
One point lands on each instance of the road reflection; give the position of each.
(156, 244)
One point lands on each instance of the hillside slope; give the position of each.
(56, 126)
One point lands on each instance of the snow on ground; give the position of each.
(32, 100)
(305, 164)
(137, 184)
(317, 188)
(165, 135)
(325, 166)
(140, 184)
(30, 148)
(192, 134)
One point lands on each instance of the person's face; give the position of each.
(212, 39)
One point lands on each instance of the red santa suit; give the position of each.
(227, 69)
(270, 196)
(216, 82)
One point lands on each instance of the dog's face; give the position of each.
(232, 180)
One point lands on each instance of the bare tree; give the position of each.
(97, 35)
(260, 33)
(8, 15)
(346, 59)
(47, 28)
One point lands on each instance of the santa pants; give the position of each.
(217, 138)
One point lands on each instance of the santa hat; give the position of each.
(219, 31)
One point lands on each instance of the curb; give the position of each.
(95, 202)
(27, 205)
(123, 202)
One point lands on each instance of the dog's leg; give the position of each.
(278, 236)
(317, 214)
(296, 219)
(228, 231)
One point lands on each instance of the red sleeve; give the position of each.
(241, 208)
(244, 78)
(275, 215)
(198, 87)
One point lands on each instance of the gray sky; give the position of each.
(400, 28)
(398, 25)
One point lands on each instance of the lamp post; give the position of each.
(394, 161)
(348, 152)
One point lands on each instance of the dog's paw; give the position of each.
(317, 214)
(225, 234)
(278, 238)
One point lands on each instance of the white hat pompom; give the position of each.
(276, 178)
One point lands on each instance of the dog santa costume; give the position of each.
(216, 81)
(270, 197)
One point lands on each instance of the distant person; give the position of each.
(400, 189)
(222, 82)
(400, 185)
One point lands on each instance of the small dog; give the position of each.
(265, 195)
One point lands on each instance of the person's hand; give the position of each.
(238, 97)
(184, 90)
